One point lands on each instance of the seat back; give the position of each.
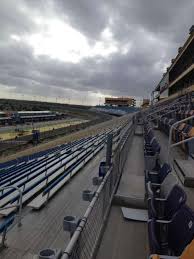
(181, 230)
(149, 136)
(176, 198)
(164, 171)
(155, 146)
(168, 184)
(157, 209)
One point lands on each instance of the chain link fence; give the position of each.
(85, 239)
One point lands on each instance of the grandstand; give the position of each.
(137, 204)
(120, 101)
(151, 210)
(116, 111)
(117, 106)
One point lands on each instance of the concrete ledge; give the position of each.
(130, 202)
(184, 170)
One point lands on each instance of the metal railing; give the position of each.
(85, 239)
(17, 206)
(170, 145)
(154, 113)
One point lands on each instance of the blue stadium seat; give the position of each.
(165, 208)
(157, 176)
(162, 190)
(171, 237)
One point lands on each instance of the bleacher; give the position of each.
(113, 110)
(41, 175)
(170, 114)
(38, 173)
(171, 220)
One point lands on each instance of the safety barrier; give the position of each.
(88, 230)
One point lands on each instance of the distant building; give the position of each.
(146, 103)
(120, 101)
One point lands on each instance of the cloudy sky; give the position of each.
(81, 50)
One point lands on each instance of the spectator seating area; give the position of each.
(171, 221)
(41, 175)
(182, 131)
(117, 111)
(151, 148)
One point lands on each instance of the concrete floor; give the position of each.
(132, 180)
(44, 228)
(124, 239)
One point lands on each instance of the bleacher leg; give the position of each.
(3, 239)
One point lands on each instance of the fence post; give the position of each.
(109, 149)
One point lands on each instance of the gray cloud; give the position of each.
(150, 30)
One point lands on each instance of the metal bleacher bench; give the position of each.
(3, 230)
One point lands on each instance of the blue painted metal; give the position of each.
(6, 223)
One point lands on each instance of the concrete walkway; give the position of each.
(124, 239)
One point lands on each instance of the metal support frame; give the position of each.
(18, 205)
(167, 107)
(162, 108)
(176, 109)
(170, 136)
(169, 112)
(109, 149)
